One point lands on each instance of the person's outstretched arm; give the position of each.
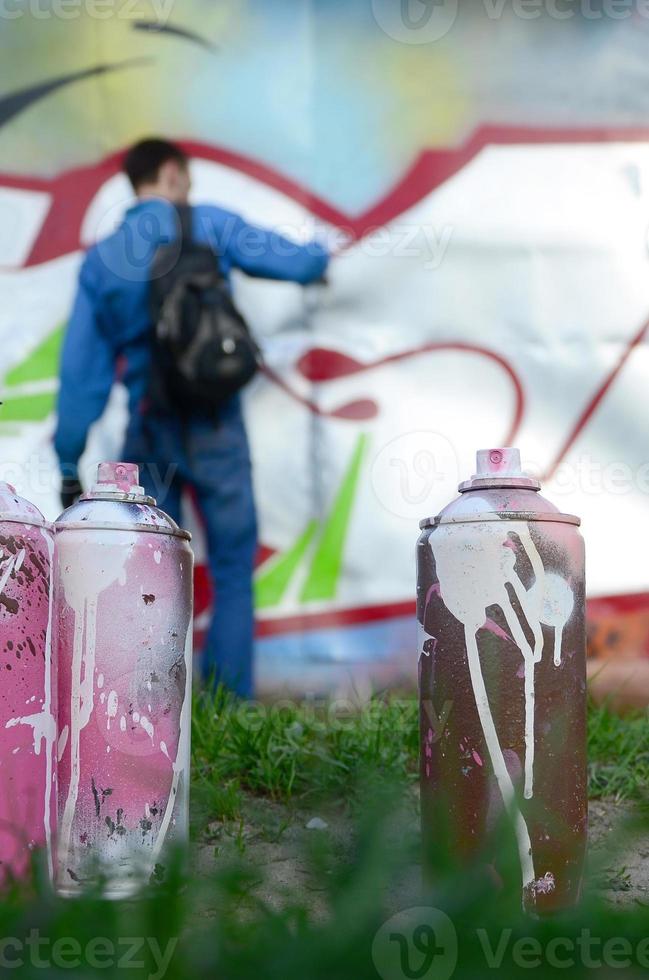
(265, 253)
(86, 378)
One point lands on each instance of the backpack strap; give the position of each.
(185, 216)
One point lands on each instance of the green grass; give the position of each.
(222, 923)
(291, 752)
(618, 752)
(312, 751)
(246, 936)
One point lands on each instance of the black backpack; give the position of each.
(203, 352)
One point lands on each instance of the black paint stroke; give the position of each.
(155, 27)
(14, 103)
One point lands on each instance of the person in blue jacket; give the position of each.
(110, 331)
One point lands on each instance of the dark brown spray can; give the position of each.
(502, 663)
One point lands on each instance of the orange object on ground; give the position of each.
(623, 683)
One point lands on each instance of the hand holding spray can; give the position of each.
(123, 580)
(500, 598)
(27, 721)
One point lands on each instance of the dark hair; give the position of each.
(142, 162)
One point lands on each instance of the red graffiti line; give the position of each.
(322, 364)
(595, 401)
(73, 190)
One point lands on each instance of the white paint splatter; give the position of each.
(10, 566)
(545, 885)
(471, 580)
(100, 681)
(50, 771)
(63, 741)
(181, 763)
(557, 606)
(157, 557)
(503, 778)
(111, 707)
(83, 579)
(147, 726)
(122, 723)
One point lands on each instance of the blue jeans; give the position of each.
(212, 459)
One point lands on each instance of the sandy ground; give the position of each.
(619, 855)
(274, 842)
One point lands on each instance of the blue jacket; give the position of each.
(110, 323)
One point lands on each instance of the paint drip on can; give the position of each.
(502, 660)
(122, 594)
(27, 718)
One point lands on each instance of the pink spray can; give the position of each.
(27, 722)
(123, 577)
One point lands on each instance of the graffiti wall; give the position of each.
(482, 180)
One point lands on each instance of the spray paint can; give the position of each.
(123, 577)
(502, 674)
(27, 721)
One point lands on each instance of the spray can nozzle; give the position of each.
(117, 478)
(499, 462)
(499, 467)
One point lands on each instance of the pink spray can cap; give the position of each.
(499, 462)
(500, 467)
(122, 478)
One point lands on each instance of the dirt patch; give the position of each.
(619, 852)
(274, 841)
